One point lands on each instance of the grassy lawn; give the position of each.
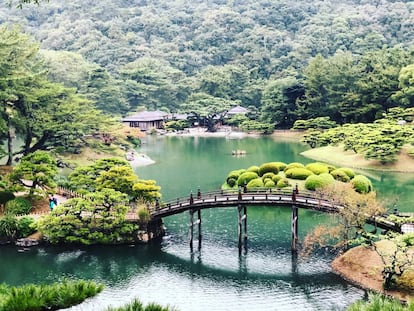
(337, 156)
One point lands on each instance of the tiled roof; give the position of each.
(146, 116)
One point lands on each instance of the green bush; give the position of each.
(226, 186)
(246, 177)
(136, 305)
(253, 168)
(268, 176)
(276, 178)
(25, 226)
(255, 183)
(350, 172)
(269, 167)
(6, 196)
(317, 168)
(57, 296)
(9, 228)
(293, 165)
(282, 183)
(340, 175)
(378, 302)
(331, 167)
(298, 173)
(280, 165)
(235, 174)
(231, 182)
(314, 182)
(361, 184)
(269, 183)
(143, 213)
(18, 206)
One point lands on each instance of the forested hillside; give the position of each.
(282, 59)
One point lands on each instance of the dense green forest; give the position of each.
(350, 60)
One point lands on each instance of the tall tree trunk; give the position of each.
(9, 141)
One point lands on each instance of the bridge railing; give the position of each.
(306, 197)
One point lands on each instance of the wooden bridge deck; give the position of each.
(262, 197)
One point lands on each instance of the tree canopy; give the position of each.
(350, 61)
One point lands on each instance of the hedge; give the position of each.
(276, 178)
(282, 183)
(361, 184)
(350, 172)
(293, 165)
(270, 167)
(255, 183)
(298, 173)
(235, 174)
(314, 182)
(269, 183)
(340, 175)
(253, 168)
(246, 177)
(280, 165)
(317, 168)
(231, 182)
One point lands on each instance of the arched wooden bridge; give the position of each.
(194, 203)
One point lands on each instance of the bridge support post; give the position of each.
(294, 228)
(191, 233)
(199, 228)
(191, 229)
(242, 222)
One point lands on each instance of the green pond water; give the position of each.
(265, 277)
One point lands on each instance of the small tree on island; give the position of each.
(397, 256)
(98, 218)
(351, 220)
(36, 171)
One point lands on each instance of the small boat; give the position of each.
(238, 152)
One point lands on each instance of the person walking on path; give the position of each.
(52, 202)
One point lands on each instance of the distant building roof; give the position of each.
(238, 110)
(146, 116)
(177, 116)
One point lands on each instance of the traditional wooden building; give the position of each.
(145, 120)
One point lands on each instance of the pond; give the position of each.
(265, 277)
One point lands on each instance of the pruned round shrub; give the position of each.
(331, 167)
(350, 172)
(294, 165)
(340, 175)
(253, 168)
(269, 167)
(317, 168)
(269, 183)
(18, 206)
(235, 174)
(231, 182)
(280, 165)
(282, 183)
(225, 186)
(361, 184)
(255, 183)
(314, 182)
(298, 173)
(268, 176)
(246, 177)
(276, 178)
